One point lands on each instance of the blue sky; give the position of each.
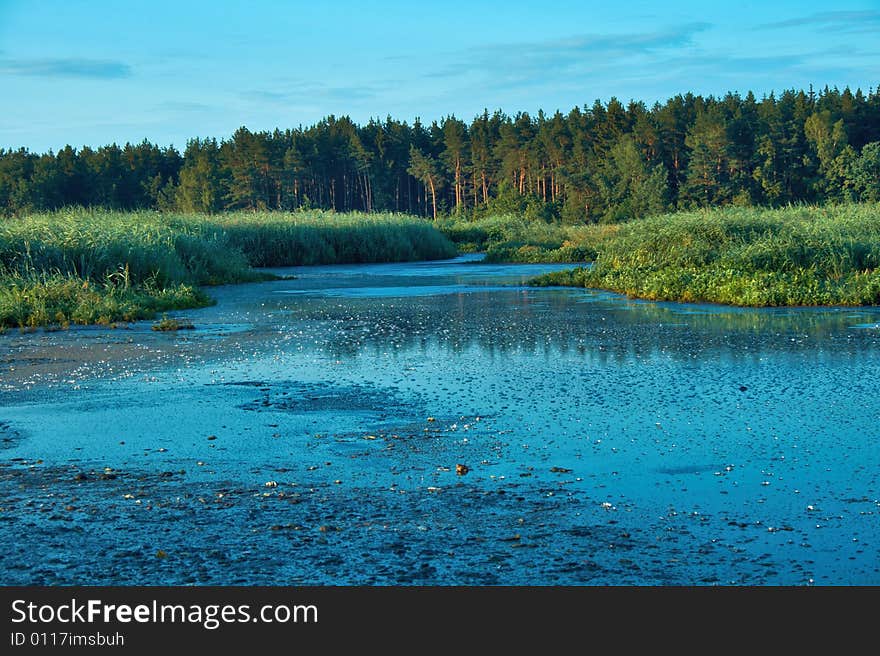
(94, 72)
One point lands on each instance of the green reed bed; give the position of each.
(93, 266)
(513, 238)
(272, 239)
(797, 256)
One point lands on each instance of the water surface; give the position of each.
(308, 432)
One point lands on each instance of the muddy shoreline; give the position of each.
(133, 527)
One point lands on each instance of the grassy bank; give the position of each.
(742, 256)
(92, 266)
(512, 238)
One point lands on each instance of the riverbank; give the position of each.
(511, 238)
(797, 256)
(84, 266)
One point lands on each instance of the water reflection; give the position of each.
(604, 327)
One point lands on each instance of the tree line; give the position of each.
(606, 162)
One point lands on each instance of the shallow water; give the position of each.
(606, 441)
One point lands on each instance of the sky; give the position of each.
(93, 72)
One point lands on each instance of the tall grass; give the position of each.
(95, 266)
(513, 238)
(272, 239)
(742, 256)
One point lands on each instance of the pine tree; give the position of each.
(426, 170)
(707, 174)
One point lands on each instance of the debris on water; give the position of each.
(271, 484)
(431, 419)
(743, 388)
(173, 325)
(212, 437)
(461, 470)
(161, 554)
(560, 470)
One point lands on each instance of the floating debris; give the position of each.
(173, 325)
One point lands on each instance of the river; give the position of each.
(440, 423)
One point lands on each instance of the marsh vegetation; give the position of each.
(92, 266)
(740, 256)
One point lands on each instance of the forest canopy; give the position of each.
(604, 163)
